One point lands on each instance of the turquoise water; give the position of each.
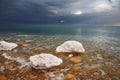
(93, 37)
(65, 29)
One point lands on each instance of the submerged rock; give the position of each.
(70, 46)
(92, 66)
(54, 75)
(76, 59)
(7, 45)
(22, 43)
(2, 77)
(69, 77)
(44, 61)
(2, 68)
(76, 68)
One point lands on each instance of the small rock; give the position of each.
(2, 68)
(102, 72)
(29, 40)
(76, 68)
(96, 74)
(76, 59)
(94, 66)
(69, 76)
(37, 49)
(70, 55)
(2, 77)
(60, 77)
(99, 56)
(21, 43)
(9, 66)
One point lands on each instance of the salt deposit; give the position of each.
(54, 76)
(43, 61)
(7, 45)
(18, 59)
(70, 46)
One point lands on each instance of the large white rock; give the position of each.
(7, 45)
(70, 46)
(44, 61)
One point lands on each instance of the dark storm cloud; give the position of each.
(23, 7)
(22, 11)
(52, 11)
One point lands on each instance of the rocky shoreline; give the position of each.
(92, 65)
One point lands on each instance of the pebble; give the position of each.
(76, 68)
(2, 77)
(76, 59)
(68, 76)
(22, 43)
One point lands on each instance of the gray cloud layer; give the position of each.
(52, 11)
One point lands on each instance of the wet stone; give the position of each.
(93, 66)
(2, 68)
(11, 65)
(69, 76)
(22, 43)
(76, 59)
(2, 77)
(76, 68)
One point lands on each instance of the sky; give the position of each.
(101, 12)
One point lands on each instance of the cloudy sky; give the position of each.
(103, 12)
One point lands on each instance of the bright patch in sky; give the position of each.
(78, 12)
(102, 6)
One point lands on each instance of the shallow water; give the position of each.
(101, 59)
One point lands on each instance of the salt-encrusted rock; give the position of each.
(70, 46)
(7, 45)
(44, 61)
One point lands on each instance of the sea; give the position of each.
(92, 37)
(101, 60)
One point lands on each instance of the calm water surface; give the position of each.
(93, 37)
